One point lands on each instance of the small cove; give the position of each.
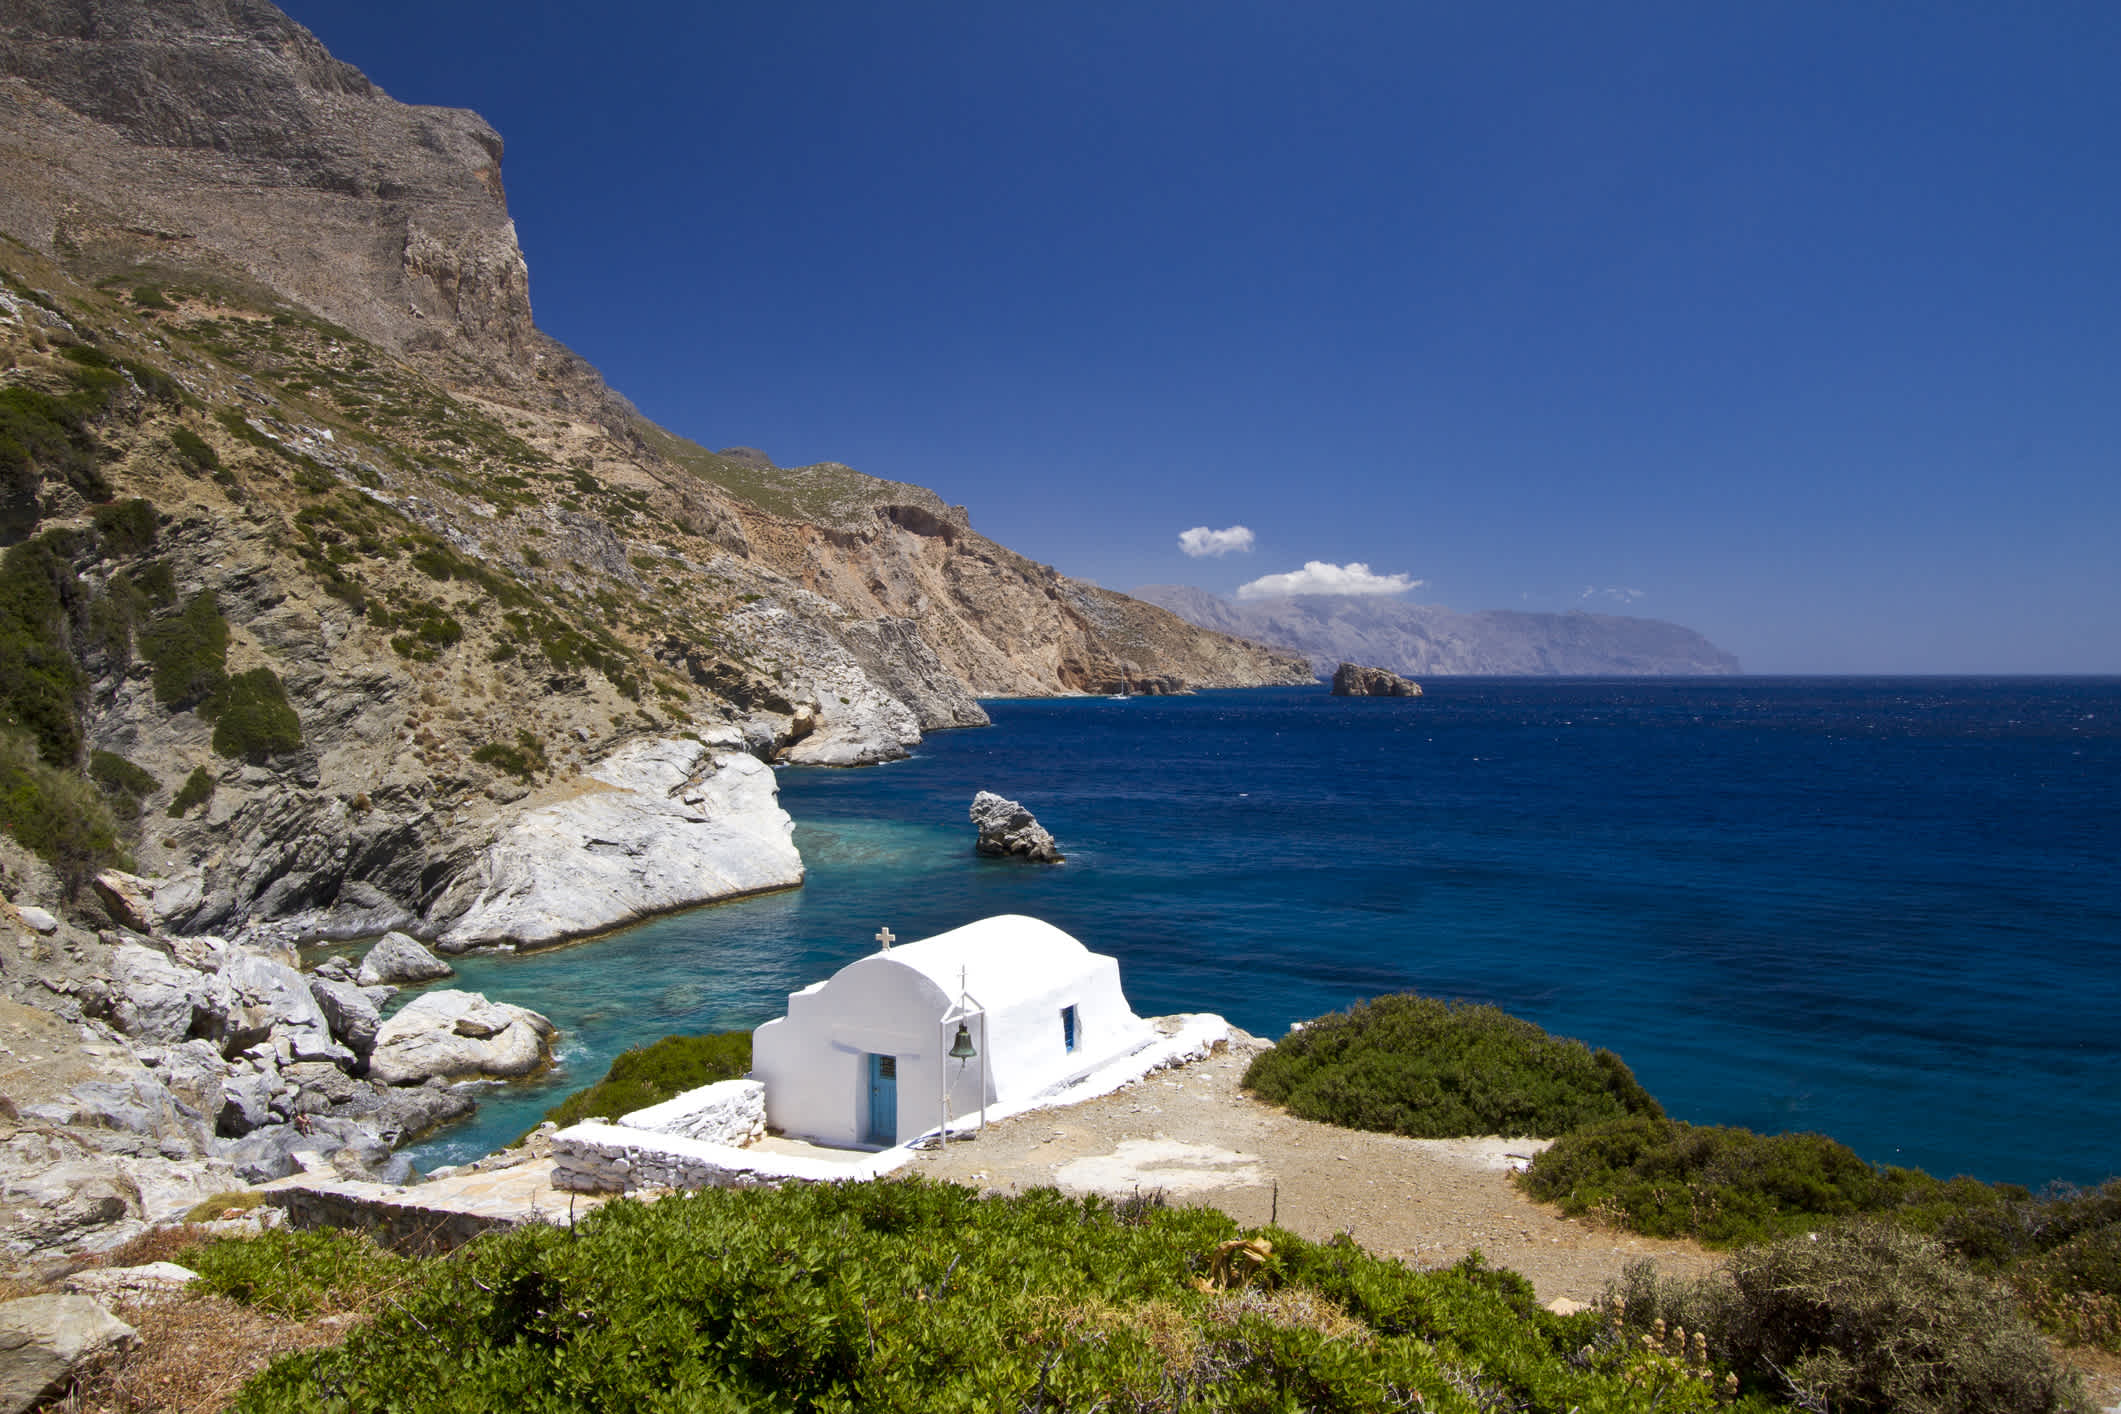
(1884, 910)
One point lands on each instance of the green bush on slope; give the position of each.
(55, 813)
(921, 1297)
(1432, 1069)
(648, 1075)
(1865, 1316)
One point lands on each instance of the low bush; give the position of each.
(151, 297)
(1432, 1069)
(189, 651)
(523, 758)
(300, 1274)
(1862, 1316)
(196, 451)
(41, 682)
(55, 814)
(198, 788)
(126, 528)
(1724, 1186)
(648, 1075)
(253, 718)
(908, 1297)
(124, 783)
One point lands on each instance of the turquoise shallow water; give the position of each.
(1885, 910)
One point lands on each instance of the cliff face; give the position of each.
(309, 519)
(218, 136)
(1428, 638)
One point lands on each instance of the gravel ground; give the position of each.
(1194, 1134)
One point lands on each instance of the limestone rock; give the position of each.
(253, 999)
(194, 1073)
(1006, 828)
(36, 919)
(44, 1339)
(128, 899)
(400, 958)
(153, 997)
(352, 1011)
(731, 1112)
(459, 1036)
(1353, 680)
(133, 1284)
(681, 822)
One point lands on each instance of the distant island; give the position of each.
(1430, 639)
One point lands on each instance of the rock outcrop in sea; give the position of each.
(1354, 680)
(1007, 829)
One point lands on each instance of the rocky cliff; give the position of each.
(1430, 639)
(316, 532)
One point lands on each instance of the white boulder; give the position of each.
(399, 958)
(152, 997)
(254, 999)
(459, 1036)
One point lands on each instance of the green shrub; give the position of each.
(122, 782)
(649, 1075)
(1722, 1185)
(906, 1297)
(45, 436)
(196, 451)
(189, 651)
(56, 814)
(151, 297)
(253, 718)
(523, 758)
(41, 683)
(299, 1274)
(1864, 1316)
(1432, 1069)
(198, 788)
(126, 528)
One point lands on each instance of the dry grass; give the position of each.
(195, 1353)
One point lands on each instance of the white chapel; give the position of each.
(908, 1038)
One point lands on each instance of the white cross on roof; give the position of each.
(884, 939)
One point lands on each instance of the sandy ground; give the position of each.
(1193, 1134)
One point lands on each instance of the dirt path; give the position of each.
(1192, 1133)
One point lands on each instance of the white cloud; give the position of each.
(1318, 577)
(1625, 596)
(1201, 541)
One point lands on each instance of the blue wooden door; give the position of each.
(883, 1099)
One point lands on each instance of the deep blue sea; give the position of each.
(1885, 910)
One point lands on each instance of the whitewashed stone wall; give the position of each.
(731, 1112)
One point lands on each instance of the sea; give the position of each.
(1886, 910)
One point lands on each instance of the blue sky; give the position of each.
(1799, 324)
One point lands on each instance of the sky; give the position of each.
(1798, 324)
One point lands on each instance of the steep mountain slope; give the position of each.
(1428, 638)
(371, 593)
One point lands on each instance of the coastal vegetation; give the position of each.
(916, 1296)
(1432, 1069)
(2060, 1251)
(648, 1075)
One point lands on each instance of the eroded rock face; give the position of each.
(1353, 680)
(1006, 828)
(459, 1036)
(678, 822)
